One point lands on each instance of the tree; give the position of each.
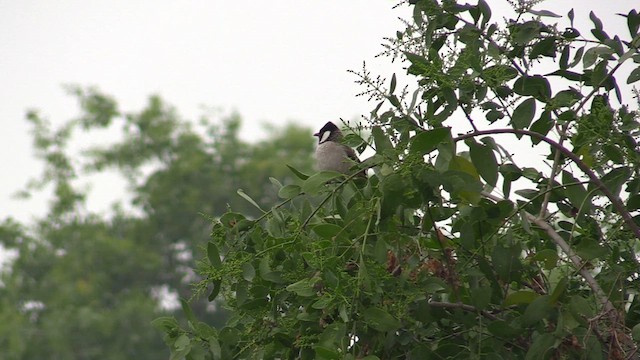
(87, 286)
(452, 248)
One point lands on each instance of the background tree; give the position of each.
(87, 286)
(452, 248)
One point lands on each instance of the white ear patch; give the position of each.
(325, 135)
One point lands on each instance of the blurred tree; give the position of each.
(85, 286)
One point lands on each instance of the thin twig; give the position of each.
(464, 307)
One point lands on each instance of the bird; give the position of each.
(331, 154)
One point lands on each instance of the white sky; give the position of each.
(271, 61)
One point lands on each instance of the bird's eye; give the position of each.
(324, 136)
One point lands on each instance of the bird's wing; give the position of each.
(351, 153)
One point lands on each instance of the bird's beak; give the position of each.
(317, 134)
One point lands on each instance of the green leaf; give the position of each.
(419, 64)
(539, 309)
(522, 297)
(276, 182)
(188, 313)
(485, 10)
(633, 203)
(380, 251)
(297, 173)
(446, 95)
(326, 353)
(569, 75)
(165, 323)
(596, 21)
(249, 199)
(380, 320)
(570, 16)
(461, 184)
(570, 33)
(506, 261)
(214, 347)
(566, 98)
(545, 47)
(427, 141)
(289, 191)
(635, 332)
(576, 193)
(577, 57)
(381, 140)
(510, 171)
(458, 163)
(523, 114)
(542, 345)
(267, 274)
(581, 309)
(327, 231)
(599, 74)
(564, 57)
(536, 86)
(481, 297)
(634, 76)
(558, 291)
(248, 272)
(182, 342)
(592, 54)
(304, 287)
(548, 257)
(217, 285)
(542, 126)
(524, 32)
(633, 22)
(392, 87)
(485, 162)
(323, 302)
(588, 249)
(502, 329)
(317, 181)
(615, 178)
(524, 220)
(545, 13)
(213, 255)
(494, 115)
(231, 219)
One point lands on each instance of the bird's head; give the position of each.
(329, 132)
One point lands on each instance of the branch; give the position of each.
(575, 259)
(577, 262)
(615, 201)
(464, 307)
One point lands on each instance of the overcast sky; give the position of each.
(272, 61)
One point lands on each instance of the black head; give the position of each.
(329, 132)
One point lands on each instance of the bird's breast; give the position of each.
(332, 156)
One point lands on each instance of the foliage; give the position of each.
(87, 286)
(452, 248)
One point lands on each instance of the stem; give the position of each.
(554, 170)
(447, 257)
(324, 201)
(615, 201)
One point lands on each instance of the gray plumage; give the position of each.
(331, 154)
